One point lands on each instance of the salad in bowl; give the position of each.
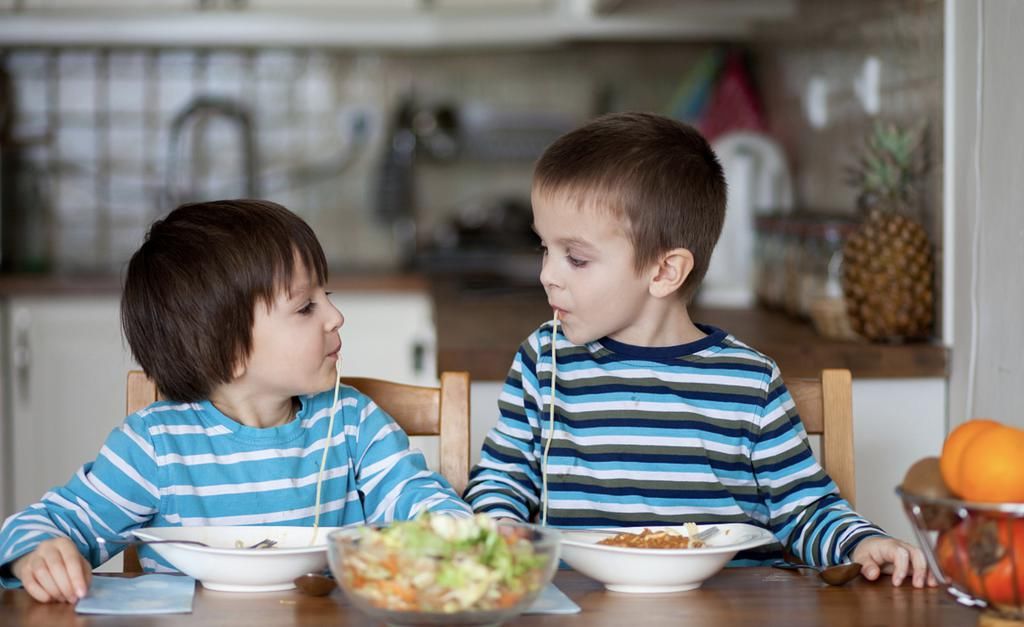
(443, 570)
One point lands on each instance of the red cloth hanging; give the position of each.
(734, 104)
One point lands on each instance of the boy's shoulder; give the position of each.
(166, 412)
(731, 347)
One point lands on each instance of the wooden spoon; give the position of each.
(315, 584)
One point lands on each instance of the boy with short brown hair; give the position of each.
(657, 420)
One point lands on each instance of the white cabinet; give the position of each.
(388, 335)
(63, 388)
(379, 24)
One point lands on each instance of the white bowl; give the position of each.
(624, 569)
(223, 566)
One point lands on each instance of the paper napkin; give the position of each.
(146, 594)
(553, 601)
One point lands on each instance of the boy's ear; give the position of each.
(670, 272)
(238, 370)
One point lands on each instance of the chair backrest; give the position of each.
(826, 409)
(420, 410)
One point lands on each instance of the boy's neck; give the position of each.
(261, 413)
(667, 323)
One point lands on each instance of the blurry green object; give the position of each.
(891, 168)
(693, 93)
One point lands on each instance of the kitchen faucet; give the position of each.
(198, 112)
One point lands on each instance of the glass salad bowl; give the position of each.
(441, 570)
(976, 550)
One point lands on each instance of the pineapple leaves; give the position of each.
(891, 167)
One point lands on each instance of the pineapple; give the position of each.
(888, 266)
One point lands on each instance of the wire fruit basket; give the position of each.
(976, 550)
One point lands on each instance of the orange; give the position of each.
(992, 466)
(952, 450)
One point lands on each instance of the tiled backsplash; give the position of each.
(96, 125)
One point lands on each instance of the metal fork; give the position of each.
(265, 543)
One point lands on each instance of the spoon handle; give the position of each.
(139, 542)
(784, 565)
(706, 533)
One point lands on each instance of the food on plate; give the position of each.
(441, 564)
(662, 539)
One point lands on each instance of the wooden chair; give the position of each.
(826, 409)
(420, 410)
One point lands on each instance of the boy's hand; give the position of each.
(880, 554)
(54, 571)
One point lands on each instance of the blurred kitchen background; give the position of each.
(404, 132)
(394, 147)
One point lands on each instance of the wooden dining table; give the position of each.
(754, 597)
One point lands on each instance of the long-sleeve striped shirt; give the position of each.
(703, 432)
(182, 464)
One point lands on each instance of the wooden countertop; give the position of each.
(355, 280)
(481, 331)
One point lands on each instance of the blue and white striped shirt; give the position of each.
(184, 464)
(704, 432)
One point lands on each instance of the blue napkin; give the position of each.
(553, 601)
(146, 594)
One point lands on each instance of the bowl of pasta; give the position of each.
(236, 559)
(658, 559)
(441, 570)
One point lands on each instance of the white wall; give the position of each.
(985, 199)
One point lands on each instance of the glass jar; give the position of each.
(768, 258)
(794, 238)
(826, 305)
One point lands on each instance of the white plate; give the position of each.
(624, 569)
(222, 566)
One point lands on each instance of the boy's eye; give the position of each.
(307, 308)
(576, 263)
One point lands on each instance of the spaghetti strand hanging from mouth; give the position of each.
(327, 445)
(551, 423)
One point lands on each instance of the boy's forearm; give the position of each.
(827, 533)
(16, 543)
(498, 494)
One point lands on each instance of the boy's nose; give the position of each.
(547, 275)
(335, 321)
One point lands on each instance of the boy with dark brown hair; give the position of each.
(224, 307)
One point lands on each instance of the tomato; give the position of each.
(984, 554)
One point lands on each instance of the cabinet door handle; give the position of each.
(22, 353)
(419, 353)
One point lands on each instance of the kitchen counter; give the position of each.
(480, 331)
(354, 280)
